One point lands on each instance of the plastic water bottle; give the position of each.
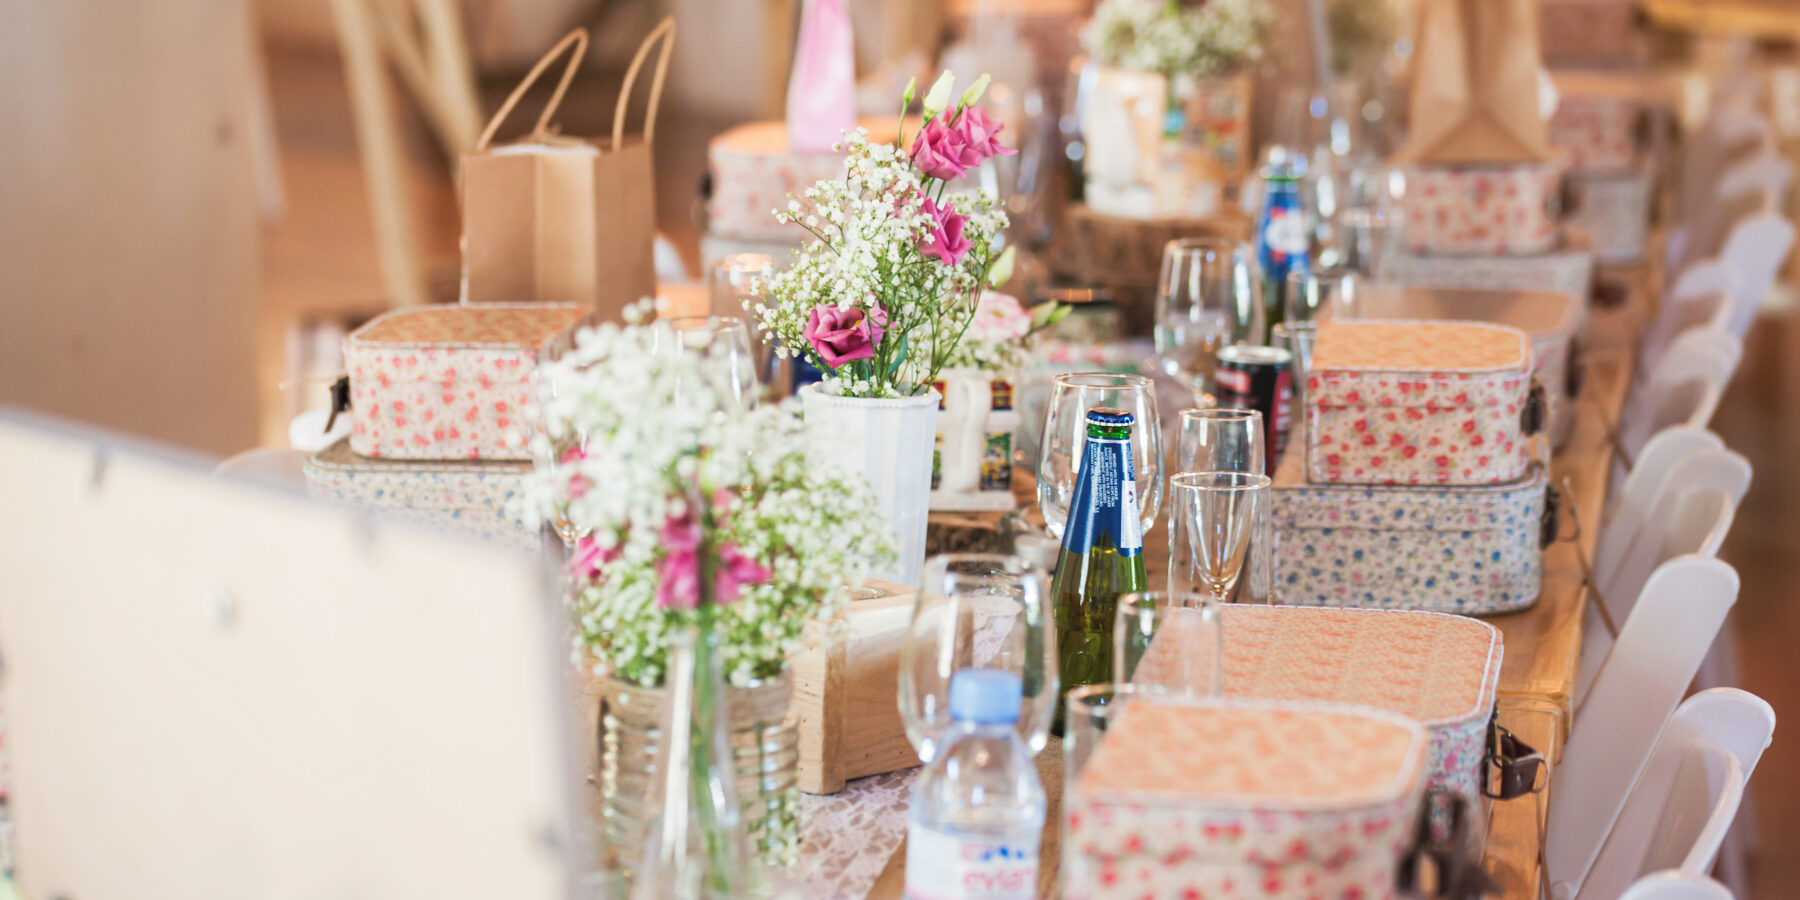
(978, 809)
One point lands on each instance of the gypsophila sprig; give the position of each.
(686, 499)
(1179, 37)
(881, 297)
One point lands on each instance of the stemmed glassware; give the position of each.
(977, 610)
(1220, 439)
(1172, 641)
(1065, 439)
(1204, 300)
(1211, 522)
(555, 445)
(734, 280)
(724, 341)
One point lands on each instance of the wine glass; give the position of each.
(722, 340)
(1204, 301)
(556, 442)
(977, 610)
(1320, 295)
(735, 280)
(1220, 439)
(1211, 522)
(1173, 641)
(1065, 440)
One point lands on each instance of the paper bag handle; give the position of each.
(665, 32)
(577, 38)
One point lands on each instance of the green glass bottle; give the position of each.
(1102, 552)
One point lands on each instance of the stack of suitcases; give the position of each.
(1606, 124)
(440, 400)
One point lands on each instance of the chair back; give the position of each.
(1638, 686)
(1675, 885)
(1635, 495)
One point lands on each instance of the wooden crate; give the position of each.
(846, 694)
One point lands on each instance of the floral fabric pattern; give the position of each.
(1567, 271)
(1261, 814)
(1597, 133)
(1392, 402)
(1481, 211)
(1469, 550)
(1615, 213)
(449, 382)
(753, 172)
(478, 498)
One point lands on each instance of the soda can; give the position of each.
(1258, 378)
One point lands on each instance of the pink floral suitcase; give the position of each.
(1614, 212)
(1474, 550)
(1243, 799)
(450, 382)
(1551, 319)
(478, 497)
(1411, 402)
(1566, 269)
(1482, 210)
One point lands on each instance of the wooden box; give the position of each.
(846, 693)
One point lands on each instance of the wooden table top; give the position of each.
(1543, 643)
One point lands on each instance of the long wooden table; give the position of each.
(1543, 643)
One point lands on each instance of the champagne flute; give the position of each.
(1211, 520)
(723, 341)
(977, 610)
(1220, 439)
(1204, 301)
(1172, 641)
(1065, 439)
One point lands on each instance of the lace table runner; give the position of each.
(847, 838)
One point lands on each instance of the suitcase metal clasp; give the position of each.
(1535, 411)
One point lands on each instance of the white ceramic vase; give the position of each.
(888, 442)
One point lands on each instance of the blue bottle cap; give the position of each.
(985, 696)
(1106, 415)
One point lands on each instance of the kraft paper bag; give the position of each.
(1475, 85)
(557, 219)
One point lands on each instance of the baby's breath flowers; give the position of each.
(1179, 37)
(654, 447)
(882, 297)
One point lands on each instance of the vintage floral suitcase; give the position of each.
(476, 497)
(1614, 212)
(1566, 269)
(1187, 798)
(1413, 402)
(1442, 670)
(1552, 320)
(450, 382)
(1474, 550)
(1482, 210)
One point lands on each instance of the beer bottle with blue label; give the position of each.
(1102, 552)
(1282, 241)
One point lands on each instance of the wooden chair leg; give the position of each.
(383, 160)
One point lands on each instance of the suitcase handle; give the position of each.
(1536, 410)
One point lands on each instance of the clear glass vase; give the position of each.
(764, 743)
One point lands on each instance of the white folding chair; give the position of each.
(1744, 268)
(1634, 496)
(1682, 388)
(1675, 885)
(1689, 515)
(1660, 646)
(1729, 136)
(1683, 805)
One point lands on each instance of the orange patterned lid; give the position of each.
(1257, 754)
(1429, 666)
(482, 325)
(1412, 346)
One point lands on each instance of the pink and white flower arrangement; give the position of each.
(683, 499)
(884, 294)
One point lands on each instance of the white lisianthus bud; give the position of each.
(912, 84)
(939, 97)
(974, 92)
(1002, 268)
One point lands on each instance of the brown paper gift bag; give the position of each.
(555, 219)
(1475, 84)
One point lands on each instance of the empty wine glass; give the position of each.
(1211, 520)
(722, 340)
(1172, 641)
(1204, 301)
(977, 610)
(737, 279)
(1320, 295)
(1065, 439)
(1220, 439)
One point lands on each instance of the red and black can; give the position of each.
(1258, 378)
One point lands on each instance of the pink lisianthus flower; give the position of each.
(947, 244)
(942, 151)
(678, 575)
(839, 335)
(589, 556)
(736, 571)
(981, 134)
(1000, 317)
